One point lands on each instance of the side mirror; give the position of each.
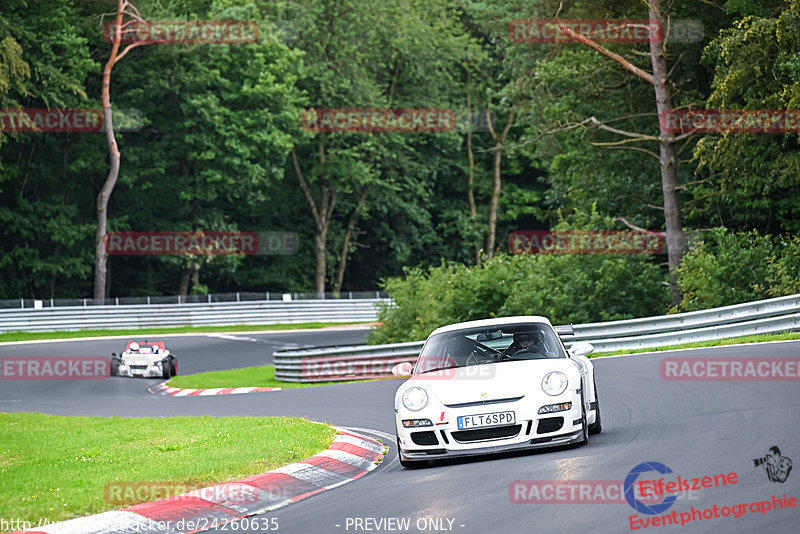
(402, 369)
(113, 353)
(581, 348)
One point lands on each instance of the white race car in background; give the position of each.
(147, 359)
(493, 386)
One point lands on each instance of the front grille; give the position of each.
(424, 438)
(549, 424)
(139, 367)
(482, 403)
(484, 434)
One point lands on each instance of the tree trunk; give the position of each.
(497, 184)
(124, 7)
(351, 226)
(495, 200)
(101, 257)
(186, 275)
(322, 215)
(667, 160)
(473, 210)
(667, 157)
(320, 254)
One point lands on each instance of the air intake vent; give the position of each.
(549, 424)
(424, 438)
(484, 434)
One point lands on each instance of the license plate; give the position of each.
(486, 419)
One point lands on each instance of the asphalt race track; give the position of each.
(701, 428)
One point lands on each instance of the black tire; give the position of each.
(114, 366)
(409, 464)
(597, 426)
(584, 422)
(165, 368)
(173, 366)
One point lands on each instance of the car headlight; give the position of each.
(415, 399)
(554, 383)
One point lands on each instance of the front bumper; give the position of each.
(152, 371)
(438, 454)
(530, 429)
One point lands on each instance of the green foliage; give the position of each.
(756, 66)
(565, 289)
(569, 288)
(733, 267)
(219, 121)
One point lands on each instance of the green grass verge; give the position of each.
(33, 336)
(715, 343)
(57, 467)
(261, 377)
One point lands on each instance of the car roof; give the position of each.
(520, 319)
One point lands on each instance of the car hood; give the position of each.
(494, 381)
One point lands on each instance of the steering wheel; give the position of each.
(535, 352)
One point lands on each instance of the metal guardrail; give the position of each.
(208, 298)
(175, 315)
(752, 318)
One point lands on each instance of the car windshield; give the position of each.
(496, 344)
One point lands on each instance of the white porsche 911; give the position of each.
(146, 360)
(495, 385)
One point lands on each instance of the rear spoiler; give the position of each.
(564, 330)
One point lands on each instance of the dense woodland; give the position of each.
(573, 142)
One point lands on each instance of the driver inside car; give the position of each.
(528, 343)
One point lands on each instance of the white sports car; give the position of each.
(147, 359)
(493, 386)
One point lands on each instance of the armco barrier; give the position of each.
(752, 318)
(174, 315)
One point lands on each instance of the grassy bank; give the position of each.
(58, 467)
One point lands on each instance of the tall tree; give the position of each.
(659, 79)
(127, 16)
